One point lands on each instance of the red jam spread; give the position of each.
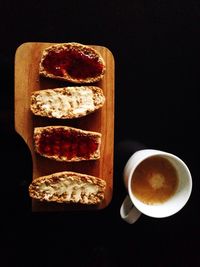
(77, 64)
(66, 143)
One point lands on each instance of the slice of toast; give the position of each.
(72, 62)
(67, 102)
(63, 143)
(68, 187)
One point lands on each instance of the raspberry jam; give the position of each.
(66, 143)
(77, 64)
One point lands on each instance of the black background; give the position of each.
(156, 49)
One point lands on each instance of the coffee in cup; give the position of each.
(154, 180)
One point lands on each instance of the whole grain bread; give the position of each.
(68, 187)
(63, 143)
(72, 62)
(67, 102)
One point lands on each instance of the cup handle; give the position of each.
(128, 211)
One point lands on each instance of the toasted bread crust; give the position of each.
(51, 141)
(68, 187)
(88, 51)
(67, 102)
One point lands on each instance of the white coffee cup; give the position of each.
(132, 207)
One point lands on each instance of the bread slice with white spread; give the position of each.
(67, 102)
(72, 62)
(68, 187)
(64, 143)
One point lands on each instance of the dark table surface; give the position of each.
(157, 55)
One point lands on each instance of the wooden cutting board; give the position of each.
(27, 80)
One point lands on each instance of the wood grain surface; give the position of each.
(27, 80)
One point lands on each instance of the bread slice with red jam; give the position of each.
(68, 187)
(72, 62)
(63, 143)
(67, 102)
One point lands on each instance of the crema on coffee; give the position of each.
(154, 180)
